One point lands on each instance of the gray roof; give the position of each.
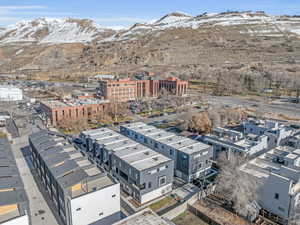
(67, 165)
(179, 143)
(141, 157)
(11, 186)
(130, 151)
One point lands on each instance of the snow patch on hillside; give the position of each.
(45, 30)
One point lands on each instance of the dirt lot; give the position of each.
(187, 218)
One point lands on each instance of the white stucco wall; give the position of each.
(10, 94)
(156, 193)
(96, 205)
(280, 185)
(22, 220)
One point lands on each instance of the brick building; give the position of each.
(130, 90)
(58, 110)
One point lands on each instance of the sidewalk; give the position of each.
(40, 211)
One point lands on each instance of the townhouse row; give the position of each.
(75, 185)
(143, 173)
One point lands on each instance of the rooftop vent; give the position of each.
(146, 153)
(155, 158)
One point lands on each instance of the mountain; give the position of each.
(69, 30)
(45, 30)
(177, 43)
(257, 23)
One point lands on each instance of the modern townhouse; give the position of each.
(79, 189)
(234, 142)
(277, 133)
(192, 159)
(278, 173)
(143, 173)
(14, 204)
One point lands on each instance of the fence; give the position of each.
(202, 216)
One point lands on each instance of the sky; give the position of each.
(128, 12)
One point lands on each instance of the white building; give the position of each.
(278, 171)
(10, 93)
(277, 133)
(231, 141)
(82, 193)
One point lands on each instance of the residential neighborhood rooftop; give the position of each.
(13, 198)
(184, 144)
(281, 161)
(133, 153)
(69, 167)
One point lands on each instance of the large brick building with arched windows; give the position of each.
(130, 90)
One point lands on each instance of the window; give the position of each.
(149, 185)
(162, 180)
(143, 186)
(276, 196)
(155, 145)
(171, 152)
(162, 168)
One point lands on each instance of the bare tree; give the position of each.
(237, 186)
(294, 218)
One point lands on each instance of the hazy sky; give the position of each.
(127, 12)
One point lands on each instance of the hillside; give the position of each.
(177, 43)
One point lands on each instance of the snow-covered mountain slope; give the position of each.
(257, 23)
(44, 30)
(172, 18)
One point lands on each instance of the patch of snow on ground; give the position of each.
(19, 51)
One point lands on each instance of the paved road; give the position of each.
(40, 211)
(12, 128)
(290, 109)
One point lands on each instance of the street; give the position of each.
(39, 209)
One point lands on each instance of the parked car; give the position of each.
(78, 141)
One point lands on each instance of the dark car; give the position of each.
(77, 141)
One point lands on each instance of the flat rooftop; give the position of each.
(130, 151)
(74, 172)
(280, 161)
(144, 217)
(13, 198)
(180, 143)
(72, 102)
(141, 157)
